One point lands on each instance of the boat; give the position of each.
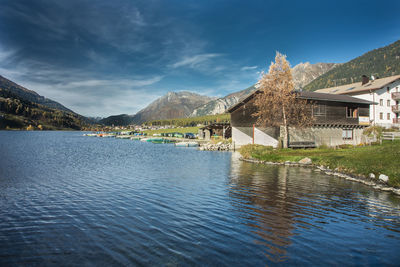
(90, 134)
(123, 136)
(155, 139)
(105, 135)
(163, 141)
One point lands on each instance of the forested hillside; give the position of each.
(381, 62)
(18, 113)
(30, 95)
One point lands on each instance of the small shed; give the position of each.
(222, 129)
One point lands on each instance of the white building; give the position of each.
(385, 93)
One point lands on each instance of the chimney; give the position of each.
(364, 79)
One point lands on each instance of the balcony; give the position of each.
(396, 96)
(396, 108)
(396, 120)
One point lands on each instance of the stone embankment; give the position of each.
(220, 146)
(380, 183)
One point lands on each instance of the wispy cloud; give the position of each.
(194, 61)
(129, 83)
(6, 54)
(248, 68)
(82, 92)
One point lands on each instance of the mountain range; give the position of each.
(171, 105)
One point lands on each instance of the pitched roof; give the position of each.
(358, 87)
(332, 98)
(310, 96)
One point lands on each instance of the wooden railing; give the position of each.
(396, 108)
(391, 136)
(396, 120)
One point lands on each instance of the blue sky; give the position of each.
(103, 58)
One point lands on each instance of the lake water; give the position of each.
(66, 199)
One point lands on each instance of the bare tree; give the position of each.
(277, 103)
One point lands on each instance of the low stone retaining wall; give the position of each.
(359, 178)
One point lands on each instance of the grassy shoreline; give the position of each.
(363, 160)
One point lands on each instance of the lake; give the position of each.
(66, 199)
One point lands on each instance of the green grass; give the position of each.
(174, 130)
(377, 159)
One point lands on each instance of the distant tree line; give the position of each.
(190, 122)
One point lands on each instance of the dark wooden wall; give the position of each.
(335, 114)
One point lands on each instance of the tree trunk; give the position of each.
(286, 139)
(287, 136)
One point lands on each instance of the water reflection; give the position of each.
(279, 203)
(264, 206)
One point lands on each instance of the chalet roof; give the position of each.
(311, 96)
(359, 88)
(333, 98)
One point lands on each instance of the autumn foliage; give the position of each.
(277, 102)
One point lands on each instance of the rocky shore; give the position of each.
(220, 146)
(380, 183)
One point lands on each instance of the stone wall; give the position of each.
(330, 136)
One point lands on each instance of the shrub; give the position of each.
(248, 150)
(323, 146)
(374, 131)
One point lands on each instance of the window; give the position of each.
(388, 103)
(319, 110)
(381, 102)
(387, 89)
(388, 116)
(381, 115)
(351, 112)
(347, 134)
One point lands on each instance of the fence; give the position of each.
(391, 136)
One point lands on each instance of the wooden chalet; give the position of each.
(338, 119)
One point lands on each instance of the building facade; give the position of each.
(338, 119)
(384, 93)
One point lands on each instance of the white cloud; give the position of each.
(132, 83)
(194, 61)
(248, 68)
(6, 54)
